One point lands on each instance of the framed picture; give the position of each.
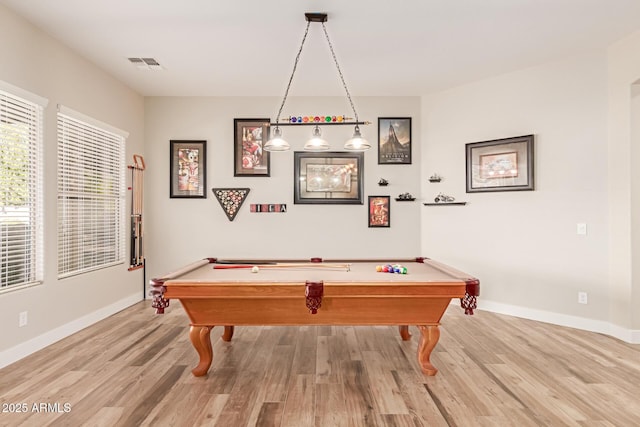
(188, 169)
(379, 211)
(394, 140)
(500, 165)
(249, 136)
(328, 177)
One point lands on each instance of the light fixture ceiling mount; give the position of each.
(316, 143)
(316, 17)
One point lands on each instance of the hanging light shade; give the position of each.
(276, 143)
(357, 142)
(316, 143)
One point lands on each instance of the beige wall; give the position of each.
(634, 299)
(624, 196)
(182, 230)
(523, 245)
(39, 64)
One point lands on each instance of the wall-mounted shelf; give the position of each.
(405, 200)
(445, 204)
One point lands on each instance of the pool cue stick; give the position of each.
(132, 244)
(141, 230)
(139, 167)
(137, 248)
(137, 214)
(285, 265)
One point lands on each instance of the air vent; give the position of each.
(146, 63)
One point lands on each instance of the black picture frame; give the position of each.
(330, 177)
(379, 211)
(249, 156)
(188, 169)
(394, 141)
(505, 164)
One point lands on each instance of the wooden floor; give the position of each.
(133, 369)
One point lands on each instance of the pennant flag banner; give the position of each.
(231, 199)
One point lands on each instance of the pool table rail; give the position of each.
(160, 298)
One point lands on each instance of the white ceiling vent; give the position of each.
(145, 63)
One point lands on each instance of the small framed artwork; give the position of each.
(394, 140)
(188, 169)
(500, 165)
(328, 177)
(379, 211)
(249, 137)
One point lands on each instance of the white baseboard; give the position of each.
(20, 351)
(627, 335)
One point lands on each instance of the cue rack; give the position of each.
(136, 259)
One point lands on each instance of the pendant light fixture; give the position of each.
(316, 143)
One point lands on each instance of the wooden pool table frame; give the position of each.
(210, 303)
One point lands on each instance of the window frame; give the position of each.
(91, 194)
(20, 108)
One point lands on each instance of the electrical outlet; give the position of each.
(22, 319)
(582, 297)
(581, 229)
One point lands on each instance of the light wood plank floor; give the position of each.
(133, 369)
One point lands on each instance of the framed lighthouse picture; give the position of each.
(394, 140)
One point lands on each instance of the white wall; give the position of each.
(523, 245)
(182, 230)
(35, 62)
(624, 197)
(634, 299)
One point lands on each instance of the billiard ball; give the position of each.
(255, 269)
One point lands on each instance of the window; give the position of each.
(21, 200)
(91, 194)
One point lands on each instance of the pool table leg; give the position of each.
(404, 332)
(429, 339)
(200, 338)
(228, 333)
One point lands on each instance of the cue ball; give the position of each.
(255, 269)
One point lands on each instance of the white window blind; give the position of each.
(21, 122)
(91, 194)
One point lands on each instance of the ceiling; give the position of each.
(384, 47)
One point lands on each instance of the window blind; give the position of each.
(21, 123)
(91, 195)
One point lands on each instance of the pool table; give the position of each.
(216, 292)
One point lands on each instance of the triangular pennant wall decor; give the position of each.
(231, 199)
